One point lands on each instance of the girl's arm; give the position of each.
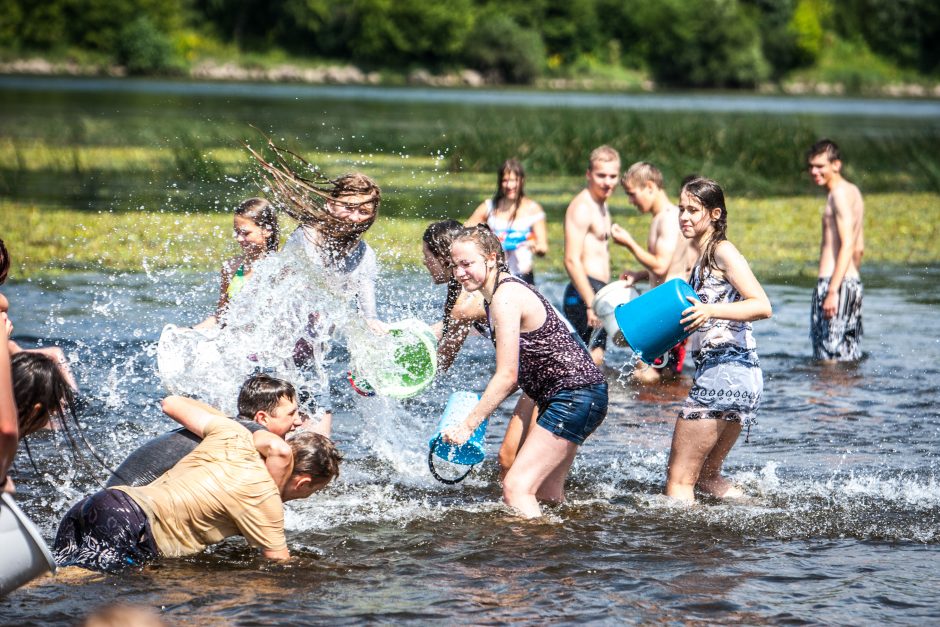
(227, 271)
(540, 231)
(754, 304)
(507, 317)
(9, 420)
(478, 216)
(467, 309)
(452, 338)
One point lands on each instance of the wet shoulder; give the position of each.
(531, 209)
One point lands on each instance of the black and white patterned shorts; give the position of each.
(838, 337)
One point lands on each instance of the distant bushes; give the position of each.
(143, 49)
(499, 46)
(686, 43)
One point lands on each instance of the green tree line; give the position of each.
(687, 43)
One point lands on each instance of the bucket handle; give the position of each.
(437, 441)
(665, 358)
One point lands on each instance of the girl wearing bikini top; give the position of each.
(255, 230)
(517, 220)
(535, 351)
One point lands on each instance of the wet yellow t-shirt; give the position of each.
(221, 489)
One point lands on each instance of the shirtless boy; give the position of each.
(836, 314)
(667, 253)
(587, 259)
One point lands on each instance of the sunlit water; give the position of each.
(842, 522)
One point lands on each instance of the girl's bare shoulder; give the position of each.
(727, 255)
(231, 266)
(530, 208)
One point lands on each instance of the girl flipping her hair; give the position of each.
(536, 351)
(728, 383)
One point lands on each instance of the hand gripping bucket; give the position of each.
(650, 322)
(25, 554)
(606, 301)
(401, 364)
(470, 452)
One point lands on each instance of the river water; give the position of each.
(842, 523)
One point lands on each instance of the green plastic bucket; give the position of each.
(400, 364)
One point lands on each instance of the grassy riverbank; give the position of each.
(778, 235)
(129, 181)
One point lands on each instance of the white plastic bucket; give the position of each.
(181, 351)
(606, 301)
(25, 554)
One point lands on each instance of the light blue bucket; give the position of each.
(470, 452)
(650, 322)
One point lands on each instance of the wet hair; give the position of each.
(261, 392)
(303, 192)
(603, 153)
(510, 166)
(4, 262)
(688, 178)
(38, 380)
(438, 237)
(264, 215)
(315, 455)
(486, 241)
(824, 147)
(641, 173)
(709, 193)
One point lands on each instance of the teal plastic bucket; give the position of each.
(470, 452)
(650, 322)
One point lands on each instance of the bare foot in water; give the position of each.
(720, 488)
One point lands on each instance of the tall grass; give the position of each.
(779, 236)
(123, 181)
(123, 151)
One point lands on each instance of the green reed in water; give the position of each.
(779, 236)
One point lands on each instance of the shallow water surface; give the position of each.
(841, 523)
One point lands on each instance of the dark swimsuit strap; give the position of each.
(549, 310)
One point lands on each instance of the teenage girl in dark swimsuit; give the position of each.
(536, 352)
(464, 311)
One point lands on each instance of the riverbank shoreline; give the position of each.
(349, 74)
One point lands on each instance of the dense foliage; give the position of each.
(708, 43)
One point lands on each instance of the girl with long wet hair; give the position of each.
(44, 399)
(334, 214)
(9, 423)
(535, 351)
(464, 311)
(728, 383)
(517, 220)
(256, 230)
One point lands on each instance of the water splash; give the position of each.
(282, 323)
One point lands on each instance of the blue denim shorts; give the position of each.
(575, 414)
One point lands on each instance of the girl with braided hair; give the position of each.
(728, 383)
(464, 311)
(535, 351)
